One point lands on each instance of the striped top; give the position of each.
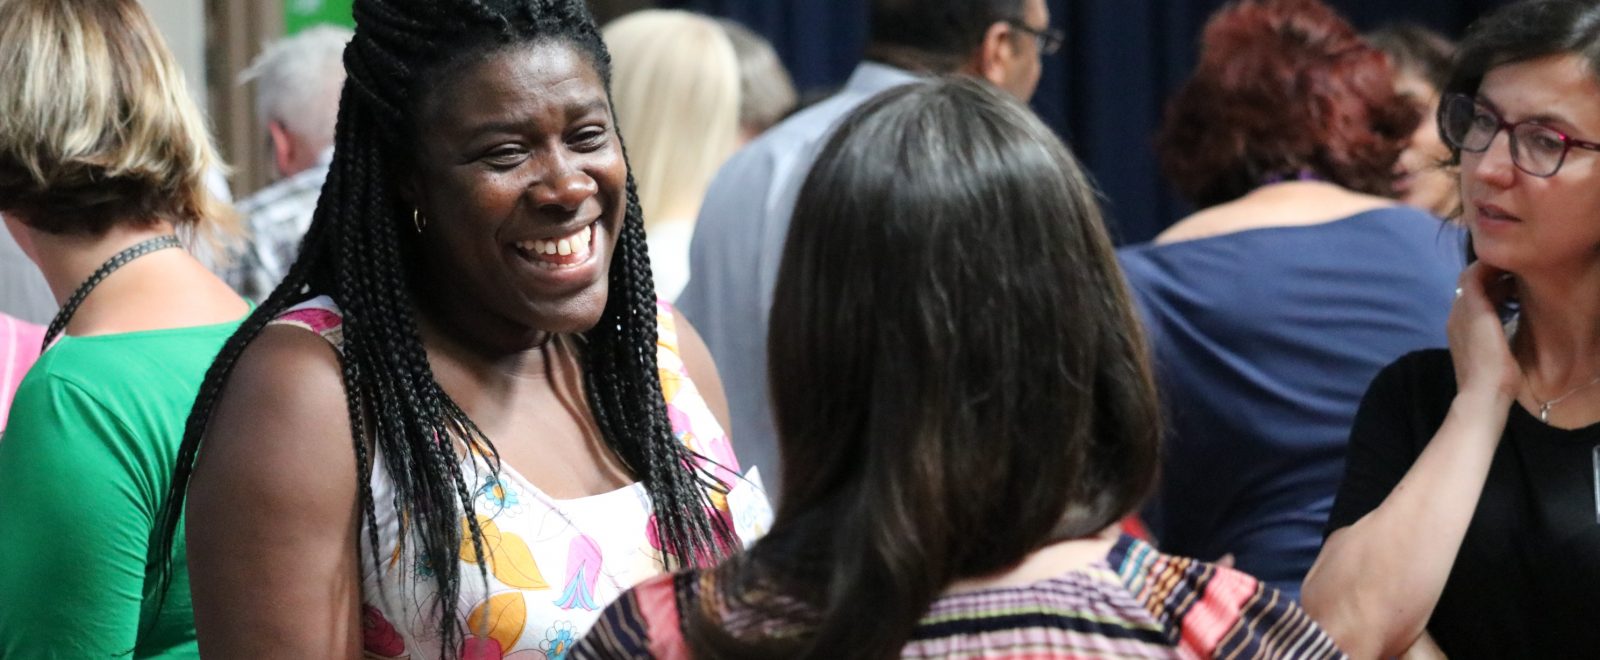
(19, 347)
(1134, 603)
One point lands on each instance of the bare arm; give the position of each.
(272, 511)
(1376, 582)
(1424, 649)
(702, 369)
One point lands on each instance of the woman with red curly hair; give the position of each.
(1271, 308)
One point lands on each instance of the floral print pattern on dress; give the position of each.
(558, 640)
(509, 608)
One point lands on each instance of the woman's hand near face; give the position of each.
(272, 511)
(1486, 371)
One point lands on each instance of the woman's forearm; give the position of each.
(1376, 582)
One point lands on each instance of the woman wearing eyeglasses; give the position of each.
(1470, 510)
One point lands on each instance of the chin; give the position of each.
(577, 314)
(1498, 256)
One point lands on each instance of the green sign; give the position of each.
(301, 14)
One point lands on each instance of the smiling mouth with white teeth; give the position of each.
(560, 252)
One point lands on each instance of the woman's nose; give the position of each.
(1495, 165)
(563, 187)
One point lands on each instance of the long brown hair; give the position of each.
(956, 370)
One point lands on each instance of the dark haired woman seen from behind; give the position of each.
(1271, 308)
(1470, 508)
(965, 412)
(463, 423)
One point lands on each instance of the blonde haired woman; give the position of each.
(102, 160)
(675, 85)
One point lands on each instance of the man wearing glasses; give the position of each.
(744, 218)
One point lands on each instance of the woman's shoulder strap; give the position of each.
(320, 315)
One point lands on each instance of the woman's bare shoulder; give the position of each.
(282, 414)
(1285, 205)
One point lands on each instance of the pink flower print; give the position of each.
(721, 451)
(671, 556)
(652, 532)
(312, 318)
(583, 570)
(680, 423)
(481, 648)
(378, 636)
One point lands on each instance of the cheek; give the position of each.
(1584, 205)
(468, 220)
(479, 202)
(611, 178)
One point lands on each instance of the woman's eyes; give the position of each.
(1547, 142)
(505, 157)
(589, 138)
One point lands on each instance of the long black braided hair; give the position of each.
(354, 252)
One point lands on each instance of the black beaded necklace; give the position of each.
(59, 323)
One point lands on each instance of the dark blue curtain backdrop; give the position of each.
(1103, 92)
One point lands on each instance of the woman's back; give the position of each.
(1298, 280)
(1132, 603)
(84, 469)
(1265, 340)
(102, 164)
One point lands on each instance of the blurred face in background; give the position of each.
(1021, 78)
(1420, 178)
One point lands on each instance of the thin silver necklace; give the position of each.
(1545, 406)
(1544, 416)
(1511, 327)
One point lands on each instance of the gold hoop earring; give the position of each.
(418, 220)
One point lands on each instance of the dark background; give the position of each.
(1103, 92)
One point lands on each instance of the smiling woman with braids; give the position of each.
(463, 423)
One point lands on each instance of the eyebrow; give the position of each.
(1538, 118)
(592, 105)
(514, 125)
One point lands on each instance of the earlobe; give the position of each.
(283, 148)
